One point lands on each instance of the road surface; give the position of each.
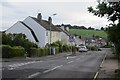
(82, 65)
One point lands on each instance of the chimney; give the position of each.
(62, 27)
(50, 20)
(39, 16)
(67, 28)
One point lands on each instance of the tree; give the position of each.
(6, 39)
(17, 40)
(90, 28)
(80, 37)
(111, 10)
(102, 28)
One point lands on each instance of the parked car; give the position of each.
(83, 49)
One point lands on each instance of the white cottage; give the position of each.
(37, 30)
(65, 35)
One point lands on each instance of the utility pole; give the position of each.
(50, 23)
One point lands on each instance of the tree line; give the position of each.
(80, 27)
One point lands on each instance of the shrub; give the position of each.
(33, 52)
(56, 50)
(6, 51)
(47, 51)
(93, 48)
(117, 71)
(38, 52)
(9, 52)
(17, 51)
(65, 48)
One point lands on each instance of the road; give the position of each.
(82, 65)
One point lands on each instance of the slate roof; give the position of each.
(65, 31)
(46, 25)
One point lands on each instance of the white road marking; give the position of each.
(101, 65)
(56, 67)
(34, 75)
(82, 56)
(78, 59)
(52, 69)
(47, 71)
(95, 76)
(11, 67)
(70, 62)
(70, 57)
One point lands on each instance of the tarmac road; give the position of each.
(82, 65)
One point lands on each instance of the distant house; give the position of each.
(65, 35)
(37, 30)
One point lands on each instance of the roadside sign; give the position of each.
(71, 39)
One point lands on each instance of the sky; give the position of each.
(72, 12)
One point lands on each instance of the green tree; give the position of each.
(111, 10)
(17, 40)
(6, 39)
(102, 28)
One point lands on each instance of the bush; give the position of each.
(47, 51)
(117, 71)
(9, 52)
(94, 48)
(56, 50)
(17, 51)
(38, 52)
(6, 51)
(65, 48)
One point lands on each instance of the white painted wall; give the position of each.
(40, 32)
(20, 28)
(65, 38)
(55, 36)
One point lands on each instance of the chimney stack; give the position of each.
(39, 16)
(50, 20)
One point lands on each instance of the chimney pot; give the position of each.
(39, 16)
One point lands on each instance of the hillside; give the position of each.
(88, 33)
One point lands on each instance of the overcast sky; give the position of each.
(72, 12)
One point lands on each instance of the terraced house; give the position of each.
(37, 30)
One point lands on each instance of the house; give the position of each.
(64, 35)
(39, 31)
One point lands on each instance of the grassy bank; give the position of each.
(89, 33)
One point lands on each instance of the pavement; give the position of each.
(108, 67)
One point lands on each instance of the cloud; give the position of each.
(67, 12)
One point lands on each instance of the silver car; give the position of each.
(83, 49)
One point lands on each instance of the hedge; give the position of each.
(9, 52)
(38, 52)
(18, 51)
(56, 50)
(66, 48)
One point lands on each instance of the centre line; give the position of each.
(78, 59)
(70, 62)
(52, 69)
(34, 75)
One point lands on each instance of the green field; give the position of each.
(88, 33)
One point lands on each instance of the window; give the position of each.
(46, 33)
